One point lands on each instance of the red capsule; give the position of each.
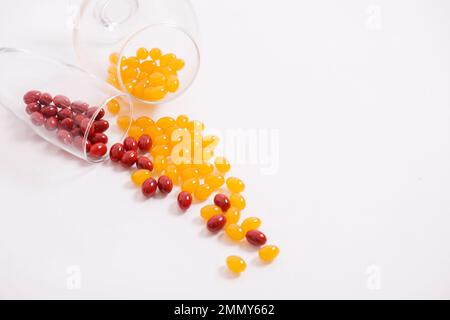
(101, 125)
(98, 150)
(145, 142)
(51, 123)
(92, 110)
(99, 137)
(116, 152)
(149, 187)
(79, 106)
(129, 158)
(130, 144)
(66, 124)
(32, 107)
(45, 99)
(84, 125)
(49, 111)
(64, 136)
(165, 185)
(76, 132)
(222, 201)
(37, 118)
(78, 118)
(144, 163)
(216, 223)
(65, 113)
(184, 200)
(78, 143)
(31, 96)
(61, 101)
(256, 237)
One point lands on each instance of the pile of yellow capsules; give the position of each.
(149, 75)
(179, 150)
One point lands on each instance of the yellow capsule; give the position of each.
(130, 85)
(161, 140)
(222, 164)
(236, 264)
(159, 164)
(172, 83)
(129, 74)
(142, 53)
(268, 253)
(157, 79)
(114, 58)
(177, 64)
(165, 122)
(234, 232)
(182, 121)
(139, 176)
(237, 201)
(167, 59)
(155, 93)
(135, 132)
(189, 173)
(172, 172)
(205, 168)
(131, 62)
(140, 87)
(252, 223)
(235, 185)
(161, 150)
(144, 122)
(190, 185)
(123, 122)
(209, 211)
(153, 131)
(168, 131)
(113, 107)
(203, 192)
(155, 53)
(215, 180)
(143, 76)
(166, 70)
(147, 66)
(232, 215)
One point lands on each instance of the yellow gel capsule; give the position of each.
(203, 192)
(236, 264)
(232, 215)
(129, 74)
(157, 79)
(205, 168)
(139, 176)
(190, 185)
(139, 88)
(208, 211)
(142, 53)
(167, 59)
(113, 107)
(182, 121)
(237, 201)
(114, 58)
(155, 53)
(130, 85)
(235, 185)
(155, 93)
(131, 62)
(172, 83)
(165, 122)
(143, 76)
(160, 140)
(159, 164)
(189, 173)
(177, 64)
(144, 122)
(135, 132)
(215, 180)
(172, 172)
(234, 232)
(166, 70)
(252, 223)
(222, 164)
(153, 131)
(123, 122)
(147, 66)
(268, 253)
(161, 150)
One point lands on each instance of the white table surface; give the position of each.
(358, 92)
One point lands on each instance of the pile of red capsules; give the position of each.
(70, 120)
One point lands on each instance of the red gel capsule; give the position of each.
(66, 124)
(256, 237)
(149, 187)
(45, 99)
(79, 106)
(184, 200)
(99, 137)
(51, 123)
(49, 111)
(64, 136)
(116, 152)
(37, 119)
(76, 131)
(145, 142)
(216, 223)
(92, 110)
(222, 201)
(61, 101)
(165, 185)
(144, 163)
(32, 107)
(78, 143)
(129, 158)
(78, 118)
(65, 113)
(31, 96)
(84, 125)
(130, 144)
(98, 150)
(101, 125)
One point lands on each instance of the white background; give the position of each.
(359, 92)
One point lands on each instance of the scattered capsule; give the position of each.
(209, 211)
(190, 185)
(235, 185)
(268, 253)
(140, 175)
(222, 164)
(203, 192)
(256, 237)
(149, 187)
(237, 201)
(165, 185)
(184, 200)
(216, 223)
(233, 215)
(251, 223)
(222, 201)
(234, 232)
(236, 264)
(215, 180)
